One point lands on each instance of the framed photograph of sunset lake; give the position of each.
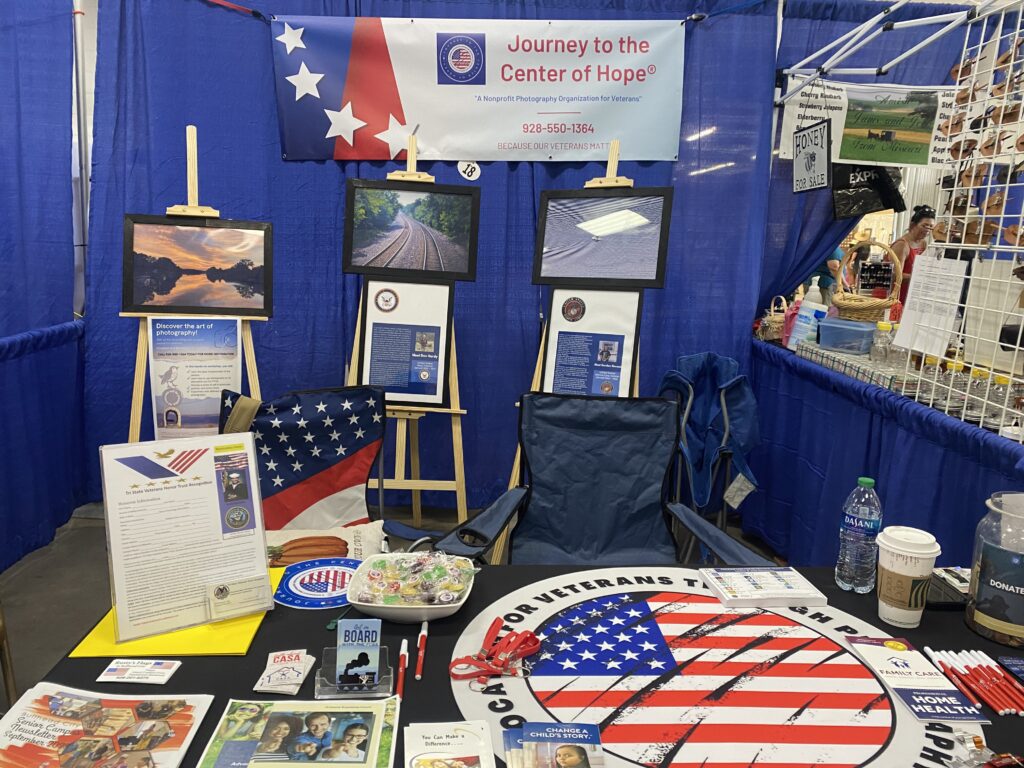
(197, 266)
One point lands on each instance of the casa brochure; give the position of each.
(562, 745)
(53, 725)
(925, 691)
(198, 498)
(448, 745)
(279, 733)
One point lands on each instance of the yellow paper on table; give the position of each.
(231, 637)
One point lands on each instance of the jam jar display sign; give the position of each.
(812, 161)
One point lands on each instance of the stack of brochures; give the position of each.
(448, 744)
(761, 587)
(554, 745)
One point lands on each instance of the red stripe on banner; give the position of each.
(756, 619)
(761, 699)
(284, 506)
(746, 733)
(774, 644)
(371, 89)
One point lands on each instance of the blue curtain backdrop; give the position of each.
(40, 377)
(823, 429)
(163, 65)
(801, 231)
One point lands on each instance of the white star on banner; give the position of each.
(600, 629)
(633, 613)
(278, 481)
(334, 435)
(343, 123)
(297, 466)
(657, 665)
(614, 664)
(630, 655)
(305, 82)
(272, 410)
(609, 605)
(328, 421)
(622, 638)
(347, 405)
(301, 423)
(297, 410)
(316, 451)
(341, 450)
(587, 655)
(292, 37)
(617, 620)
(376, 418)
(396, 137)
(371, 402)
(564, 646)
(353, 419)
(290, 452)
(559, 628)
(227, 402)
(577, 620)
(271, 465)
(265, 450)
(308, 437)
(606, 646)
(257, 435)
(282, 438)
(545, 655)
(275, 423)
(640, 629)
(583, 637)
(648, 646)
(321, 407)
(568, 664)
(359, 434)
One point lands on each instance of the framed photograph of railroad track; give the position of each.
(610, 238)
(405, 338)
(412, 230)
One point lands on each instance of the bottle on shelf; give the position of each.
(880, 344)
(1000, 410)
(956, 383)
(977, 395)
(858, 552)
(931, 375)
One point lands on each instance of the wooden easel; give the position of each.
(407, 417)
(609, 180)
(192, 208)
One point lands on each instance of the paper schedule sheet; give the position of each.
(932, 300)
(185, 533)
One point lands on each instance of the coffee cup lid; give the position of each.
(911, 541)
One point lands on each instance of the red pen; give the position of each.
(421, 648)
(403, 662)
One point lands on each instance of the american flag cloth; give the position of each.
(314, 453)
(679, 681)
(336, 91)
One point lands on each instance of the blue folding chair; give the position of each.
(596, 470)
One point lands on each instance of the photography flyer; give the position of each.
(53, 725)
(198, 497)
(448, 745)
(240, 729)
(562, 745)
(353, 732)
(191, 361)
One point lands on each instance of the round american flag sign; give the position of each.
(674, 679)
(320, 583)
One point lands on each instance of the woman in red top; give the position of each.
(913, 243)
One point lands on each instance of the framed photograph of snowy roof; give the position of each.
(177, 265)
(408, 229)
(603, 237)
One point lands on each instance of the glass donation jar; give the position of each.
(995, 608)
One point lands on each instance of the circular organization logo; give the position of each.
(221, 592)
(606, 387)
(386, 300)
(237, 518)
(172, 396)
(320, 583)
(424, 375)
(461, 58)
(573, 309)
(653, 657)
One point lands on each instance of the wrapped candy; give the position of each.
(416, 578)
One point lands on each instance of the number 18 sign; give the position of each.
(812, 157)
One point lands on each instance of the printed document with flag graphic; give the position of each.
(184, 533)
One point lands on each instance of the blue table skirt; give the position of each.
(41, 467)
(820, 430)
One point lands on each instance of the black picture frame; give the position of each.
(399, 273)
(550, 352)
(393, 397)
(586, 280)
(130, 305)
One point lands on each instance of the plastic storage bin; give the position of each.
(845, 336)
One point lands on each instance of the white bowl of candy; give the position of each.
(410, 587)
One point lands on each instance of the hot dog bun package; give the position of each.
(290, 546)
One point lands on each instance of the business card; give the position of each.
(148, 671)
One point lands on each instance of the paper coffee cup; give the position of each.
(906, 557)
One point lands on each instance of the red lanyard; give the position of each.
(497, 658)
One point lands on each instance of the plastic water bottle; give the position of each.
(858, 553)
(880, 344)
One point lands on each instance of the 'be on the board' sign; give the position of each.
(812, 162)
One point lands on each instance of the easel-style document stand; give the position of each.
(610, 180)
(407, 417)
(192, 208)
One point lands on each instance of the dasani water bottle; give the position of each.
(858, 553)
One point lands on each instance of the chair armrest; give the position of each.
(724, 546)
(475, 537)
(403, 531)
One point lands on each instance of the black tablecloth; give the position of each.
(431, 700)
